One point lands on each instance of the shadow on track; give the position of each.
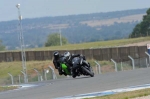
(82, 77)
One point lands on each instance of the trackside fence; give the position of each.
(116, 53)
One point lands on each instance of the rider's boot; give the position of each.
(60, 71)
(73, 74)
(64, 73)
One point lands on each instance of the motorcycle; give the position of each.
(83, 67)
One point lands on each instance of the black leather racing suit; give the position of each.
(69, 63)
(56, 62)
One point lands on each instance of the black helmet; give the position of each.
(67, 55)
(56, 54)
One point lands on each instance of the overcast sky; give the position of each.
(41, 8)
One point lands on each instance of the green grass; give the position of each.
(98, 44)
(126, 95)
(5, 88)
(15, 68)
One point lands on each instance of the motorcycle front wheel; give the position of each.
(90, 72)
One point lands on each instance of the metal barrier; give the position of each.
(115, 65)
(132, 62)
(99, 67)
(53, 72)
(38, 74)
(12, 80)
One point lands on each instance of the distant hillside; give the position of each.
(76, 28)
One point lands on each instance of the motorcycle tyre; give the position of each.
(89, 72)
(74, 76)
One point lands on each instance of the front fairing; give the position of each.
(76, 60)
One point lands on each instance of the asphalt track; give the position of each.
(81, 85)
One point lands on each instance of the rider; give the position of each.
(68, 60)
(56, 62)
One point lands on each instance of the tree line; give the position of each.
(142, 28)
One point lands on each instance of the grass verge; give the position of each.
(15, 68)
(126, 95)
(6, 88)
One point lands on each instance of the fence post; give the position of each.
(45, 73)
(99, 67)
(147, 63)
(19, 79)
(38, 74)
(53, 72)
(12, 80)
(121, 67)
(24, 76)
(132, 62)
(148, 56)
(96, 69)
(115, 65)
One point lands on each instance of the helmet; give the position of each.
(56, 55)
(67, 55)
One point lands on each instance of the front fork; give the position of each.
(86, 63)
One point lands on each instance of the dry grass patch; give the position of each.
(108, 22)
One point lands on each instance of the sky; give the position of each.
(44, 8)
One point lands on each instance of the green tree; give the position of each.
(2, 47)
(143, 28)
(54, 40)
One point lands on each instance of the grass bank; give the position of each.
(126, 95)
(15, 68)
(98, 44)
(6, 88)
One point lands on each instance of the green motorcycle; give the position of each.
(83, 68)
(64, 67)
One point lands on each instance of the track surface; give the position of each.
(69, 86)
